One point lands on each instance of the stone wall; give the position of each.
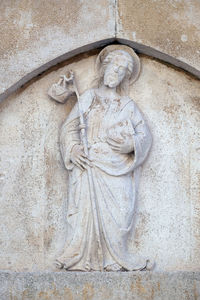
(41, 40)
(34, 180)
(36, 35)
(98, 286)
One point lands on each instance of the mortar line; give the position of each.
(116, 17)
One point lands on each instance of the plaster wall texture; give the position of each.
(98, 286)
(171, 27)
(33, 33)
(33, 180)
(38, 34)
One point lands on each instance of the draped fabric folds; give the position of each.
(113, 184)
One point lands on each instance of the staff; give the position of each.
(71, 79)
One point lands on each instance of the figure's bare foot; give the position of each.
(59, 264)
(113, 268)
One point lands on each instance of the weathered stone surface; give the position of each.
(171, 27)
(33, 180)
(34, 33)
(98, 286)
(102, 164)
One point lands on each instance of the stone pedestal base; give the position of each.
(86, 286)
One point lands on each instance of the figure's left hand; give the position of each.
(120, 145)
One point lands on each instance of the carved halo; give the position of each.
(136, 61)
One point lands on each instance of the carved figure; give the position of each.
(103, 142)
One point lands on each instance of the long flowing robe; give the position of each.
(100, 215)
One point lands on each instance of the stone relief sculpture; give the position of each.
(103, 142)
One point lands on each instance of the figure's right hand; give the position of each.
(79, 158)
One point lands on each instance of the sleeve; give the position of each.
(69, 137)
(141, 135)
(70, 132)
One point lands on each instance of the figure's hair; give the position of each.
(123, 87)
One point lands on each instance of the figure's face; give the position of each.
(115, 71)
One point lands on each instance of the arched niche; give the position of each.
(33, 182)
(138, 47)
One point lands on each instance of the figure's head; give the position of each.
(118, 66)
